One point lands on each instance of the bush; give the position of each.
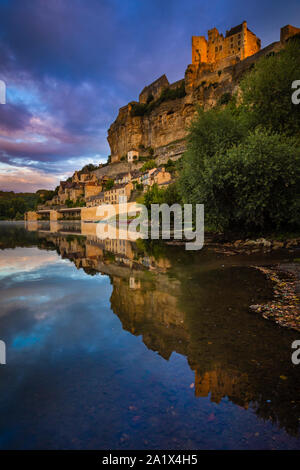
(253, 185)
(156, 195)
(167, 94)
(138, 109)
(170, 166)
(109, 184)
(151, 151)
(148, 165)
(224, 99)
(214, 131)
(138, 186)
(88, 167)
(150, 98)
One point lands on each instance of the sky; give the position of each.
(69, 65)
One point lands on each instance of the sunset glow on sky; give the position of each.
(70, 65)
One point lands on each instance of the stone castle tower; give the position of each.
(219, 51)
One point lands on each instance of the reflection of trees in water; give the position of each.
(197, 311)
(15, 235)
(234, 354)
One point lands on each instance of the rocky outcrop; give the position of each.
(165, 124)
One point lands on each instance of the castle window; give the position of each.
(239, 43)
(216, 49)
(220, 48)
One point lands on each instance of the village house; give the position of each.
(92, 188)
(118, 193)
(136, 177)
(83, 176)
(122, 178)
(95, 200)
(158, 176)
(132, 155)
(64, 191)
(134, 283)
(81, 186)
(76, 192)
(161, 177)
(119, 246)
(145, 178)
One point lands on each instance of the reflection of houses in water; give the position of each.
(32, 226)
(120, 247)
(134, 283)
(147, 306)
(220, 383)
(153, 311)
(171, 316)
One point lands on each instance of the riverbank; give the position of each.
(284, 308)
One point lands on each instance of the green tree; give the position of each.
(266, 91)
(254, 185)
(154, 195)
(88, 167)
(109, 184)
(148, 165)
(212, 131)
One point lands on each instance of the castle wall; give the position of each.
(199, 49)
(154, 89)
(287, 32)
(119, 167)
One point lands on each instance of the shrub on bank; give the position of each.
(254, 185)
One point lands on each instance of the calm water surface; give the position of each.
(121, 345)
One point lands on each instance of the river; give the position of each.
(113, 344)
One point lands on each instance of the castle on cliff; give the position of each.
(238, 43)
(157, 123)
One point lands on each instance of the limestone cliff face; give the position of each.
(165, 124)
(164, 128)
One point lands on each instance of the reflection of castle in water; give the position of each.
(155, 297)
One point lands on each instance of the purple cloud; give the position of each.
(70, 65)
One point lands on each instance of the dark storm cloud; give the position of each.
(70, 64)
